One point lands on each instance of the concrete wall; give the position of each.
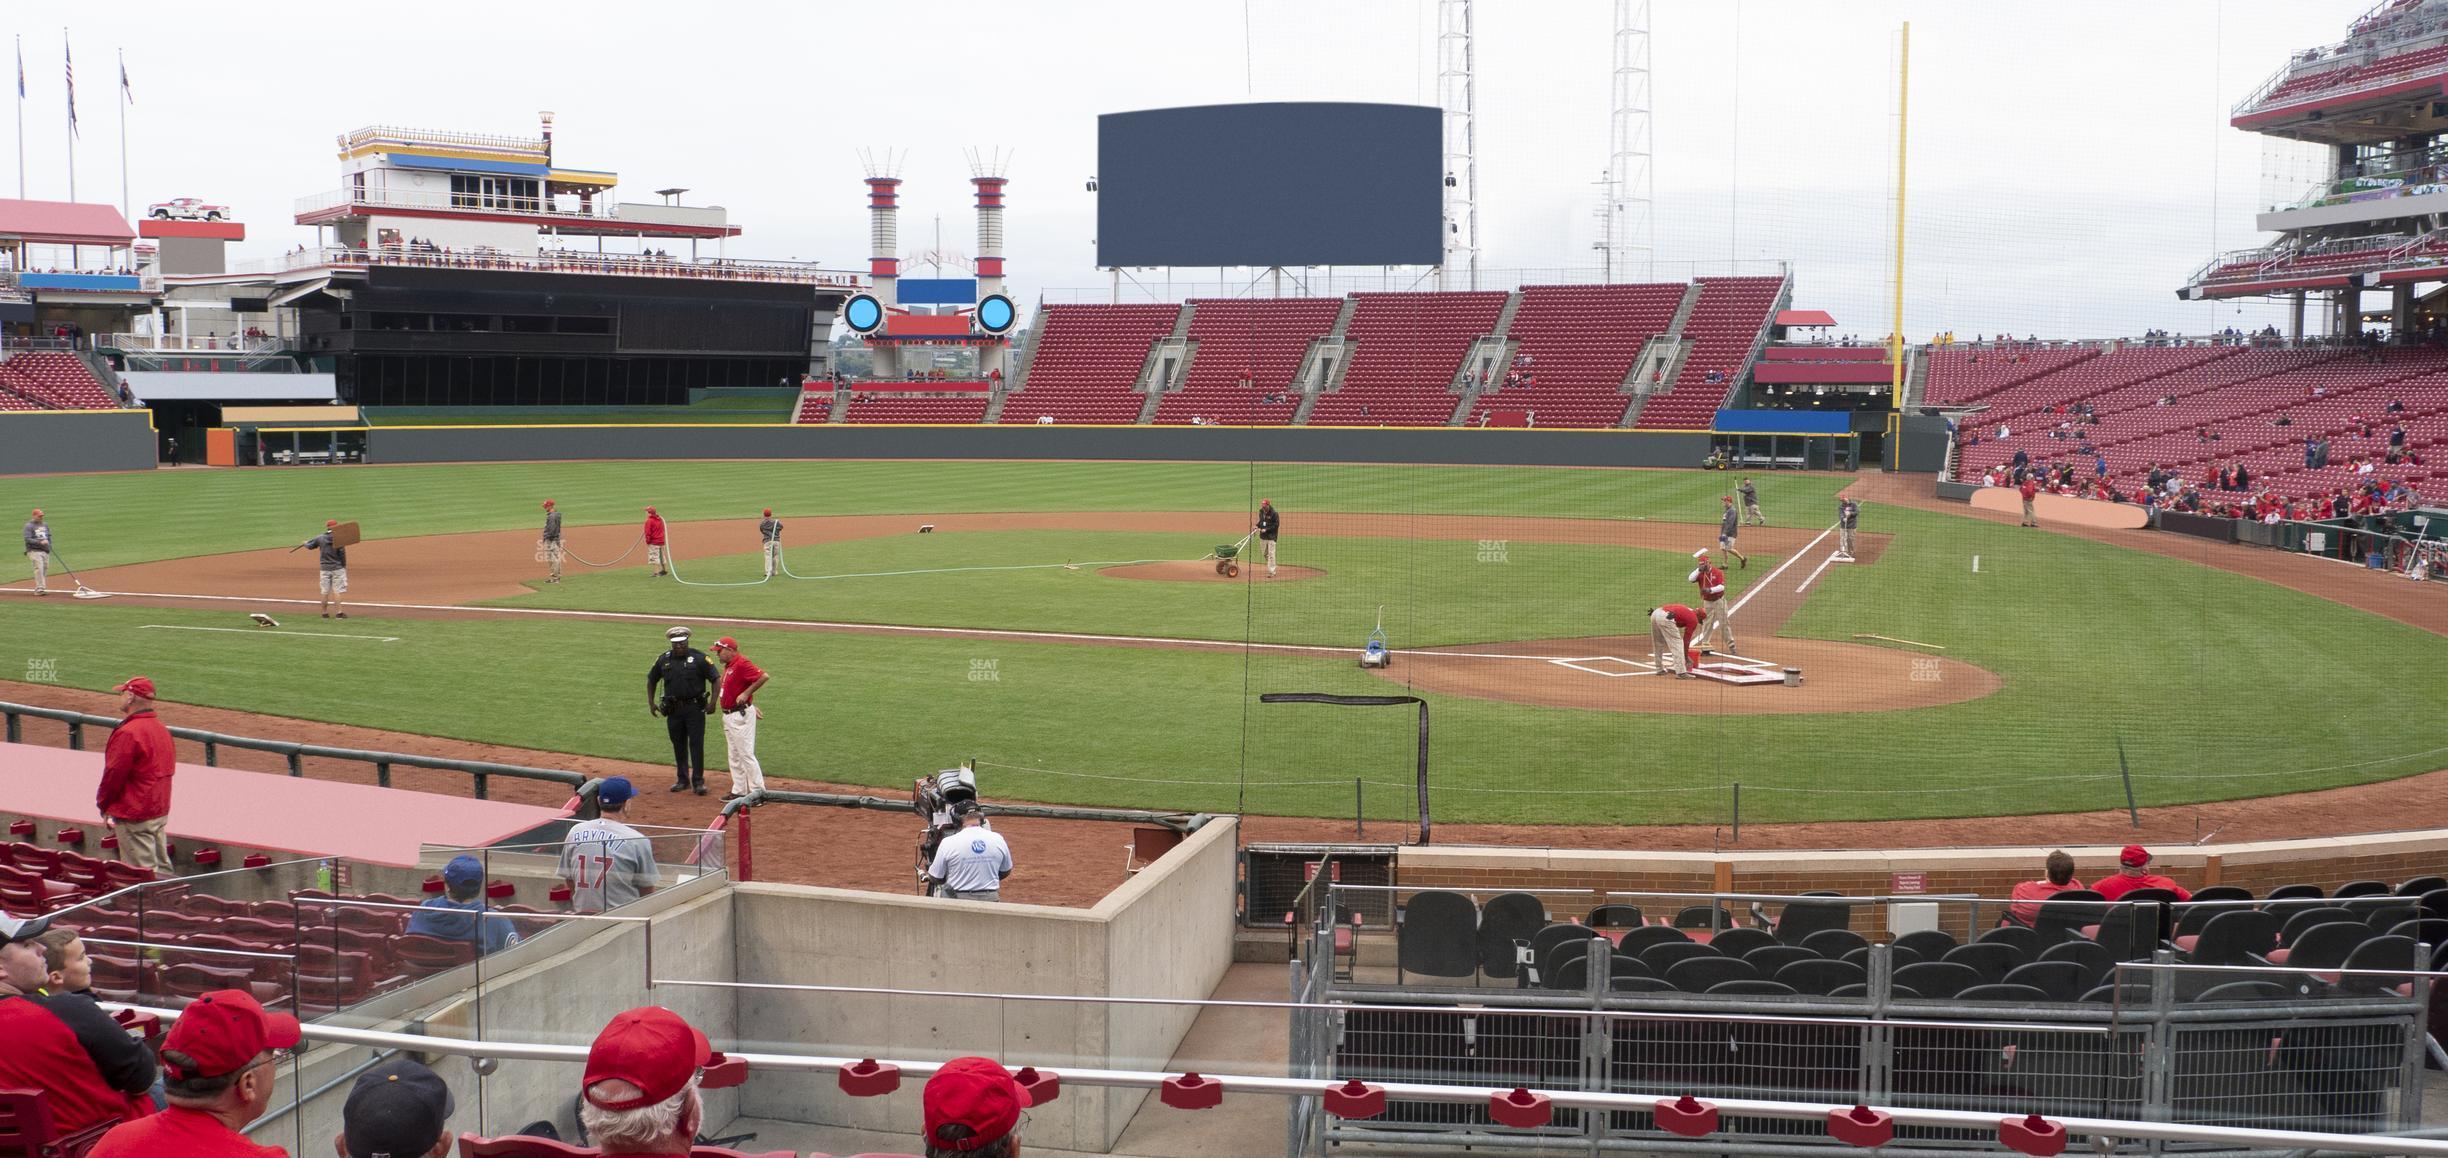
(1167, 933)
(1211, 444)
(63, 441)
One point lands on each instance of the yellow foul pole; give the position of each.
(1895, 348)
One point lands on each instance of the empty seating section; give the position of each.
(814, 406)
(55, 381)
(871, 406)
(1247, 350)
(2159, 419)
(2319, 83)
(1087, 362)
(1405, 351)
(1961, 374)
(1724, 327)
(1581, 341)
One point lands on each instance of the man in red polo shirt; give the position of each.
(46, 1041)
(639, 1095)
(1672, 629)
(2133, 872)
(218, 1065)
(137, 764)
(1715, 620)
(740, 683)
(2030, 488)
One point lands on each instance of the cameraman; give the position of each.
(970, 864)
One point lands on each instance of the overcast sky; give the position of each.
(2070, 163)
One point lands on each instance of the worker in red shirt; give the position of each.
(2030, 489)
(219, 1062)
(740, 682)
(656, 554)
(137, 765)
(2133, 872)
(1715, 619)
(1672, 632)
(58, 1045)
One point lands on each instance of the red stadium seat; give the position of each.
(515, 1147)
(26, 1128)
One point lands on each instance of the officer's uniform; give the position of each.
(686, 677)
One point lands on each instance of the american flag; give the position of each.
(124, 90)
(21, 68)
(70, 57)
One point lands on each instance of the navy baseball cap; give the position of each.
(615, 791)
(463, 870)
(398, 1109)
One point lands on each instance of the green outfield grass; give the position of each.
(2217, 686)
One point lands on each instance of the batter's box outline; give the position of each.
(1576, 662)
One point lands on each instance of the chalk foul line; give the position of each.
(268, 631)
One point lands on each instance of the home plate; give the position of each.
(1735, 669)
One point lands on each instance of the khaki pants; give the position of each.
(1270, 554)
(1844, 541)
(739, 742)
(2029, 519)
(42, 569)
(145, 843)
(552, 555)
(1752, 515)
(1716, 619)
(1666, 643)
(773, 558)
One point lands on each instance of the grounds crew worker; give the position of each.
(552, 540)
(1848, 516)
(970, 864)
(1715, 620)
(687, 680)
(1270, 525)
(332, 580)
(771, 531)
(38, 551)
(1750, 502)
(657, 554)
(137, 767)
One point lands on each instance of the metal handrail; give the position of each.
(407, 136)
(1287, 1087)
(2381, 80)
(560, 261)
(601, 210)
(480, 770)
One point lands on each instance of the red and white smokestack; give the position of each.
(990, 234)
(884, 236)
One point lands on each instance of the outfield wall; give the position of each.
(61, 441)
(1457, 445)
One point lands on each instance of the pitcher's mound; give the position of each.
(1189, 572)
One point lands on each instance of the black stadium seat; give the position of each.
(1770, 958)
(1506, 918)
(1820, 976)
(1834, 943)
(2235, 937)
(1931, 944)
(2058, 980)
(1662, 958)
(1938, 979)
(1437, 935)
(1992, 961)
(2024, 940)
(2022, 994)
(1752, 987)
(1635, 941)
(1737, 942)
(1616, 917)
(1700, 974)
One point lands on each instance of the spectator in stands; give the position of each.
(607, 863)
(972, 1108)
(2133, 872)
(2027, 896)
(220, 1061)
(137, 766)
(639, 1095)
(457, 915)
(63, 1044)
(398, 1109)
(2395, 407)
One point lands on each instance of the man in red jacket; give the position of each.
(134, 799)
(2031, 488)
(656, 556)
(1672, 629)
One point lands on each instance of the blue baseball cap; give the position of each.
(615, 791)
(463, 870)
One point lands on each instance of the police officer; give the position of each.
(687, 680)
(771, 531)
(971, 864)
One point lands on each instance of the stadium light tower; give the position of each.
(987, 174)
(1455, 96)
(1631, 230)
(884, 251)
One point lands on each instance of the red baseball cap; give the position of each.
(222, 1031)
(139, 685)
(650, 510)
(38, 512)
(651, 1048)
(330, 523)
(726, 642)
(2134, 856)
(973, 1092)
(548, 504)
(769, 512)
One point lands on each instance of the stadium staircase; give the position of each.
(1916, 379)
(1404, 353)
(1583, 343)
(1021, 360)
(1086, 365)
(1336, 345)
(1728, 326)
(1243, 350)
(1168, 362)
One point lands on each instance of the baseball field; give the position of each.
(1063, 624)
